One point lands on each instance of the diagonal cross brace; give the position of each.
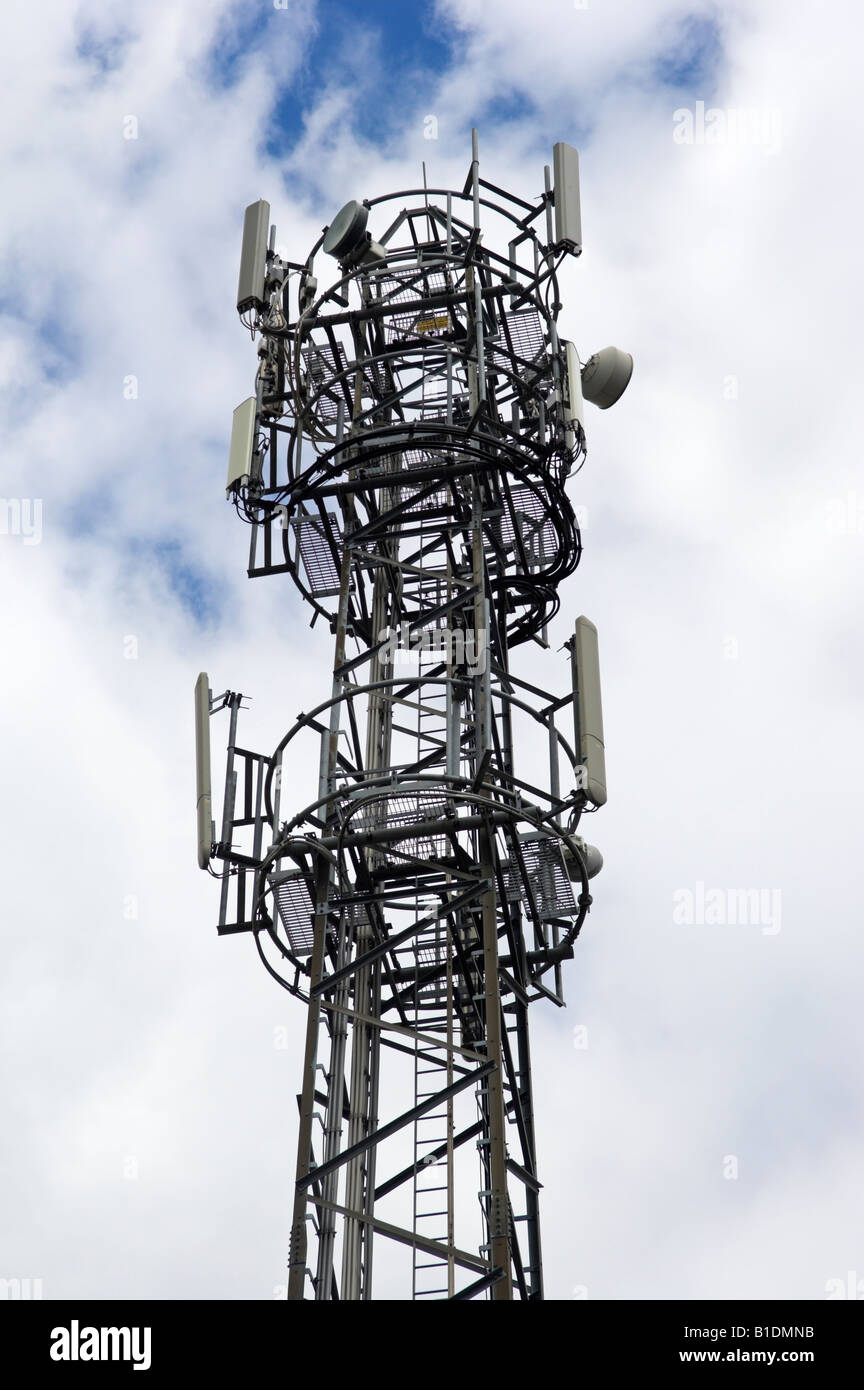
(383, 947)
(424, 1243)
(394, 1126)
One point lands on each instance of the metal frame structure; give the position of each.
(404, 461)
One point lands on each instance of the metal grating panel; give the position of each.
(426, 458)
(296, 913)
(407, 809)
(535, 528)
(322, 368)
(316, 539)
(320, 371)
(414, 283)
(525, 328)
(439, 500)
(547, 875)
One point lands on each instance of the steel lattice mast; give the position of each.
(404, 460)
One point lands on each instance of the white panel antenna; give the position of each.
(588, 710)
(253, 256)
(568, 204)
(242, 444)
(574, 410)
(202, 770)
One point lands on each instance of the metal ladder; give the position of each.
(432, 1275)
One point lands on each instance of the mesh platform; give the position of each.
(296, 912)
(438, 501)
(406, 809)
(547, 875)
(319, 541)
(426, 458)
(409, 284)
(530, 520)
(323, 365)
(521, 331)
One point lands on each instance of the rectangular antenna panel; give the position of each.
(202, 769)
(575, 404)
(568, 208)
(253, 256)
(242, 442)
(588, 711)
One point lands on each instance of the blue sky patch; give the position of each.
(393, 50)
(102, 51)
(191, 585)
(691, 60)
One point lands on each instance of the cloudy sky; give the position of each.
(699, 1109)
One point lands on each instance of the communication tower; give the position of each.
(404, 461)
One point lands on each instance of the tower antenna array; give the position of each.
(405, 461)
